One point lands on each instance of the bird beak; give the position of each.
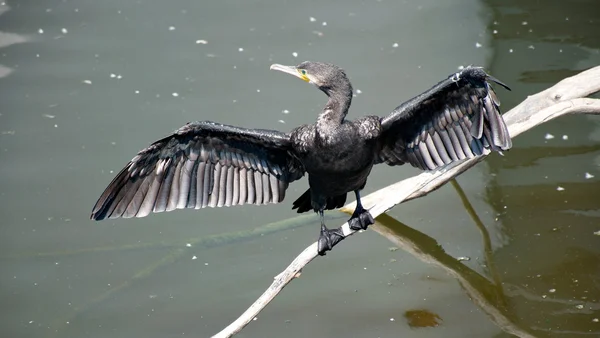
(292, 70)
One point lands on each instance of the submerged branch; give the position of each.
(566, 97)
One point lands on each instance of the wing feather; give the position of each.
(456, 119)
(203, 164)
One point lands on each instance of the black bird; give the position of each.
(207, 164)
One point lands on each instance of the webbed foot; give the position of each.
(328, 239)
(360, 219)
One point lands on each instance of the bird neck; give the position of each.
(335, 110)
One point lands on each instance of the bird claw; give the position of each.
(360, 220)
(328, 239)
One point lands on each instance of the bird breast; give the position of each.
(342, 154)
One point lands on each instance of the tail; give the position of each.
(303, 203)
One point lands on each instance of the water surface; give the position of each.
(85, 84)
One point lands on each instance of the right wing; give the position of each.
(203, 164)
(454, 120)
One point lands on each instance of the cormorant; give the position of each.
(208, 164)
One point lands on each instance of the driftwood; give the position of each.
(564, 98)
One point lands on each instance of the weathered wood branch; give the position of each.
(564, 98)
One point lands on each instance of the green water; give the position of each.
(85, 84)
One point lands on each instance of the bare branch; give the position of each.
(562, 99)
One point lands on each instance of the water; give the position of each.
(85, 84)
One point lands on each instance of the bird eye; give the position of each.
(303, 71)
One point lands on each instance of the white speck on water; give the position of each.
(324, 23)
(544, 296)
(112, 76)
(49, 116)
(41, 31)
(559, 188)
(510, 50)
(294, 54)
(552, 290)
(312, 19)
(240, 49)
(137, 91)
(119, 77)
(171, 28)
(64, 31)
(567, 18)
(201, 42)
(285, 111)
(31, 322)
(478, 45)
(175, 94)
(281, 121)
(392, 319)
(189, 245)
(565, 137)
(531, 47)
(258, 90)
(588, 176)
(395, 45)
(524, 23)
(579, 306)
(56, 126)
(358, 91)
(495, 31)
(255, 318)
(87, 81)
(560, 50)
(194, 257)
(461, 67)
(597, 233)
(205, 263)
(595, 320)
(111, 171)
(549, 136)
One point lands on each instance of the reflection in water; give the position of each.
(545, 193)
(485, 294)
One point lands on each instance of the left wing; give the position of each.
(454, 120)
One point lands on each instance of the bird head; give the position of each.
(330, 78)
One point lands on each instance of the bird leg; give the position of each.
(328, 238)
(361, 218)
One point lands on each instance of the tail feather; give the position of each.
(303, 203)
